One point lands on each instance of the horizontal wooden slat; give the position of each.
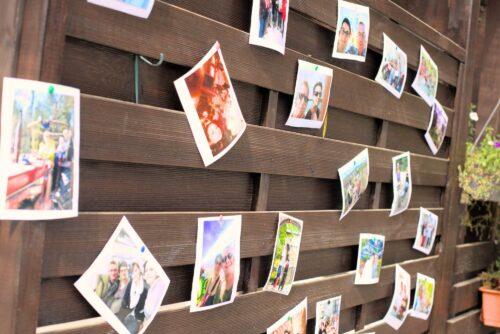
(467, 323)
(71, 245)
(473, 256)
(185, 37)
(411, 325)
(248, 313)
(379, 24)
(119, 131)
(465, 295)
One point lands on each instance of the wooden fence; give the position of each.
(141, 160)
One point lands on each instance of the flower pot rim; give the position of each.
(487, 290)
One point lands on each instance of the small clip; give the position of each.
(158, 63)
(51, 89)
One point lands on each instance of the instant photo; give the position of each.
(424, 297)
(140, 8)
(125, 284)
(426, 80)
(426, 231)
(217, 267)
(400, 305)
(437, 128)
(269, 24)
(392, 72)
(312, 94)
(328, 316)
(294, 321)
(353, 27)
(286, 255)
(370, 254)
(354, 180)
(210, 104)
(39, 150)
(401, 183)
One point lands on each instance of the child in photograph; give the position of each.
(353, 25)
(370, 253)
(269, 24)
(400, 304)
(392, 71)
(426, 80)
(426, 231)
(401, 183)
(424, 296)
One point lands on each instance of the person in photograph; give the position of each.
(264, 8)
(428, 232)
(156, 290)
(115, 301)
(62, 173)
(401, 303)
(283, 8)
(286, 267)
(132, 312)
(343, 45)
(315, 111)
(228, 267)
(216, 284)
(108, 284)
(303, 100)
(422, 303)
(360, 41)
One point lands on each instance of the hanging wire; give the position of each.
(137, 74)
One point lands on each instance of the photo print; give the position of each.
(269, 24)
(354, 180)
(39, 150)
(370, 254)
(294, 321)
(328, 316)
(125, 284)
(401, 183)
(353, 27)
(217, 267)
(426, 231)
(424, 297)
(392, 71)
(426, 80)
(312, 94)
(140, 8)
(400, 304)
(210, 104)
(286, 255)
(437, 128)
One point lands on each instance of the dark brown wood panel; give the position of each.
(465, 295)
(468, 259)
(467, 323)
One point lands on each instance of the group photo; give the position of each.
(285, 256)
(217, 267)
(269, 24)
(353, 27)
(213, 112)
(426, 80)
(293, 322)
(328, 316)
(392, 71)
(437, 127)
(426, 231)
(370, 254)
(354, 177)
(40, 150)
(401, 183)
(311, 97)
(125, 283)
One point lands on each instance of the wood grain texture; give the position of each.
(467, 323)
(193, 35)
(468, 259)
(465, 295)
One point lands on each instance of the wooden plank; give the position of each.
(245, 62)
(247, 314)
(465, 295)
(473, 256)
(407, 41)
(410, 326)
(72, 244)
(467, 323)
(108, 124)
(452, 195)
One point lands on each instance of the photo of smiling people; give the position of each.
(140, 8)
(217, 267)
(269, 24)
(353, 27)
(293, 322)
(392, 71)
(370, 253)
(211, 107)
(437, 128)
(39, 150)
(424, 297)
(328, 316)
(125, 284)
(426, 231)
(426, 80)
(312, 94)
(401, 183)
(354, 180)
(286, 255)
(400, 305)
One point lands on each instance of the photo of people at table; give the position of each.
(437, 127)
(312, 94)
(426, 80)
(370, 254)
(125, 284)
(400, 305)
(269, 24)
(401, 183)
(40, 150)
(424, 297)
(354, 180)
(426, 231)
(353, 27)
(392, 71)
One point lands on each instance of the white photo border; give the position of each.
(395, 196)
(254, 30)
(390, 43)
(424, 250)
(429, 99)
(357, 279)
(124, 7)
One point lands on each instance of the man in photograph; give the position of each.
(301, 104)
(343, 45)
(361, 39)
(314, 112)
(108, 284)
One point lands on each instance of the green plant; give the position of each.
(491, 278)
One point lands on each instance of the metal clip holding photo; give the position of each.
(136, 71)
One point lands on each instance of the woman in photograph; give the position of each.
(156, 290)
(216, 284)
(116, 299)
(228, 260)
(314, 112)
(285, 268)
(132, 313)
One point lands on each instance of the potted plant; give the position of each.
(490, 289)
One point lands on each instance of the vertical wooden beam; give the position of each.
(452, 207)
(270, 106)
